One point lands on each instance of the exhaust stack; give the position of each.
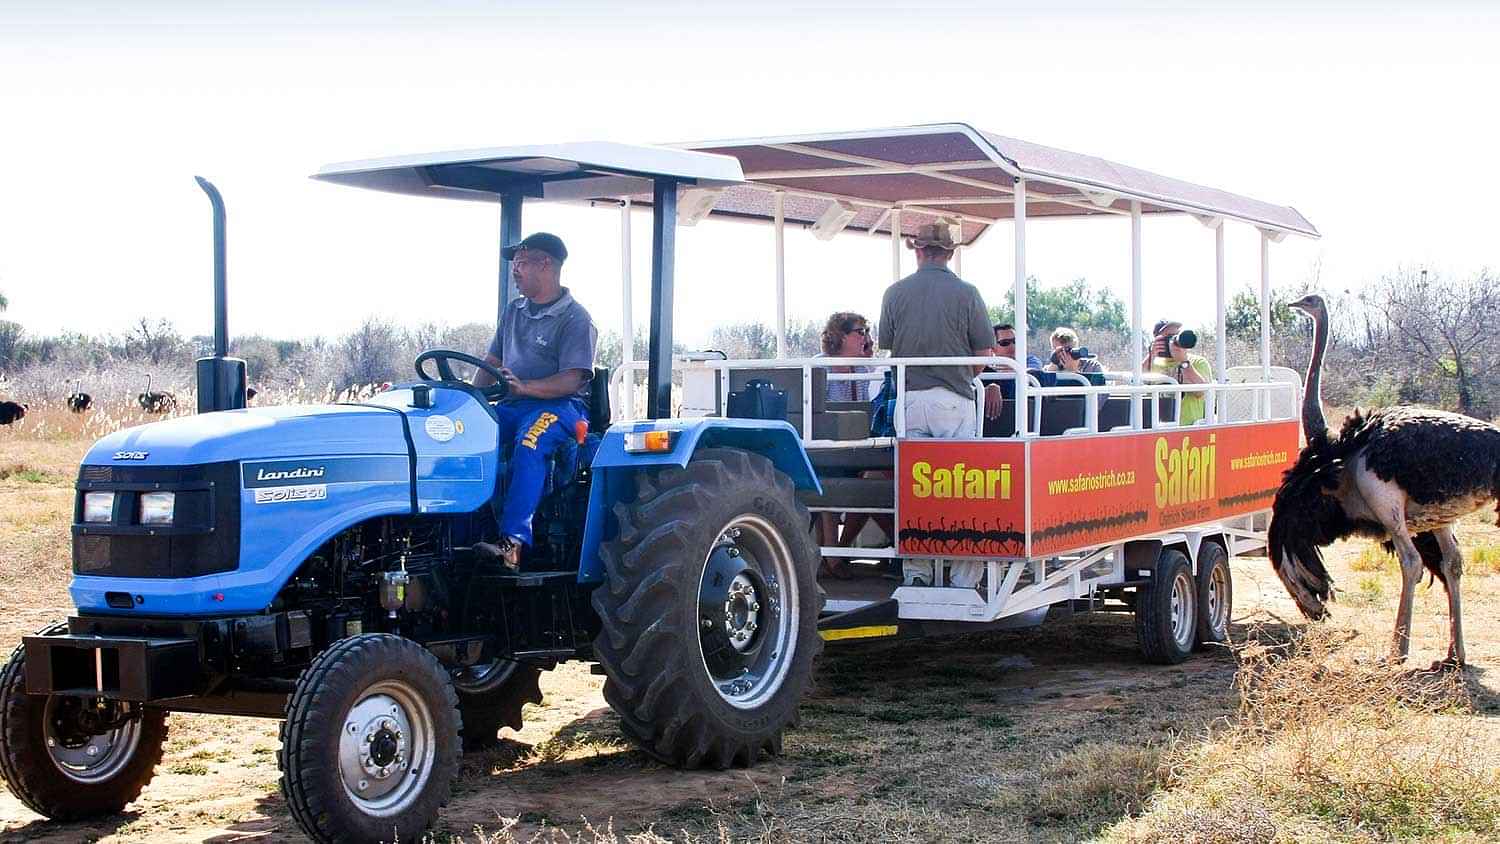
(221, 379)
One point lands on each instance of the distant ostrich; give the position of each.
(78, 400)
(11, 411)
(159, 402)
(1400, 474)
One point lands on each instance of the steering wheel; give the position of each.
(444, 357)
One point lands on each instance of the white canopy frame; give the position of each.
(1029, 167)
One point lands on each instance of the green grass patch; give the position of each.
(1483, 559)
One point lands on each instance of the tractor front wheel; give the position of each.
(73, 757)
(709, 610)
(370, 743)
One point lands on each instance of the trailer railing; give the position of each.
(1145, 398)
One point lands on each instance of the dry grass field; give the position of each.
(1298, 733)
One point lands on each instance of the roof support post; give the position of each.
(1221, 343)
(1019, 217)
(510, 232)
(780, 275)
(895, 244)
(663, 249)
(1139, 345)
(627, 318)
(1221, 354)
(1265, 318)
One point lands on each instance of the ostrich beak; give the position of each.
(1304, 305)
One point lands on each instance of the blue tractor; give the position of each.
(314, 563)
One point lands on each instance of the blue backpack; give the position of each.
(883, 408)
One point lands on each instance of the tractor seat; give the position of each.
(599, 410)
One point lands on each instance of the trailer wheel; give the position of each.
(492, 696)
(709, 610)
(1215, 595)
(66, 758)
(1166, 610)
(370, 742)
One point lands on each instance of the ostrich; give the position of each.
(1401, 474)
(156, 402)
(78, 400)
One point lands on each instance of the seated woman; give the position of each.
(847, 335)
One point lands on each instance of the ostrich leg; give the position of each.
(1388, 502)
(1411, 575)
(1453, 570)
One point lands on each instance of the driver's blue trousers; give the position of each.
(537, 428)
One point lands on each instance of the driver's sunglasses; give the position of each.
(515, 261)
(1005, 342)
(864, 329)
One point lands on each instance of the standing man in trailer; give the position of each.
(934, 313)
(544, 346)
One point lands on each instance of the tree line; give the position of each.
(1409, 337)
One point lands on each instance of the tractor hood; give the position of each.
(287, 431)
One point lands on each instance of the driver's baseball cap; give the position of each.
(541, 242)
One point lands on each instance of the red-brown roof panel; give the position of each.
(909, 149)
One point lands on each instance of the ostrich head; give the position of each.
(1313, 423)
(1312, 305)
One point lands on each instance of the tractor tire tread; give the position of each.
(313, 706)
(642, 650)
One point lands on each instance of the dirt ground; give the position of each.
(1000, 736)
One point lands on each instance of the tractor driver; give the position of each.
(544, 346)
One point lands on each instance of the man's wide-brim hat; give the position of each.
(933, 234)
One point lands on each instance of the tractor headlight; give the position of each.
(156, 508)
(98, 506)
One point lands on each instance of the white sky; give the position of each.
(1376, 121)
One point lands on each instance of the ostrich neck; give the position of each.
(1313, 424)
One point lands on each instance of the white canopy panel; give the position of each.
(547, 171)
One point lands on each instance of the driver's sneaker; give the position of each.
(507, 552)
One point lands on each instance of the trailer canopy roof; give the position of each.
(943, 171)
(550, 171)
(955, 172)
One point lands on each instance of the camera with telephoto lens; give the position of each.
(1187, 338)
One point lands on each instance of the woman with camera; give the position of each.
(1171, 356)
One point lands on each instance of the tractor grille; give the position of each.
(204, 537)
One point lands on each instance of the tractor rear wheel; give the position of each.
(709, 610)
(69, 757)
(1215, 595)
(1166, 610)
(370, 743)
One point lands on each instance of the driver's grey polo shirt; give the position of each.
(537, 341)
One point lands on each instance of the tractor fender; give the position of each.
(614, 468)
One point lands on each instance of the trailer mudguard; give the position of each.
(614, 468)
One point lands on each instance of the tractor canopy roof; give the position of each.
(572, 171)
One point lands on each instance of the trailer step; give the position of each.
(874, 621)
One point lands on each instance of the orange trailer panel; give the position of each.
(1042, 497)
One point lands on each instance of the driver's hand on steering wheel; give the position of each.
(517, 386)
